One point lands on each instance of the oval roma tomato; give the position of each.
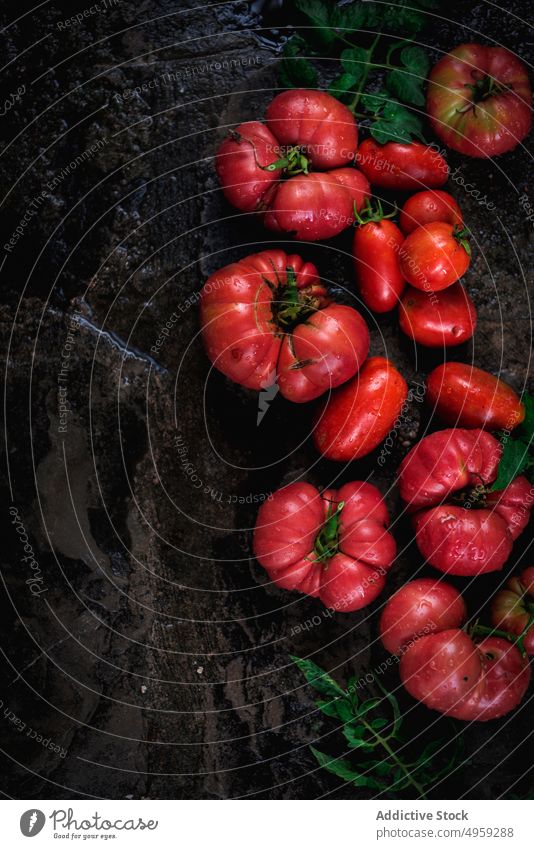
(512, 609)
(334, 545)
(441, 665)
(435, 256)
(420, 607)
(479, 100)
(425, 207)
(461, 526)
(356, 418)
(466, 396)
(265, 168)
(446, 319)
(409, 167)
(268, 319)
(376, 247)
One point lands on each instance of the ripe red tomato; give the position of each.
(512, 609)
(376, 247)
(267, 318)
(420, 607)
(446, 319)
(265, 168)
(333, 545)
(435, 256)
(479, 100)
(318, 205)
(472, 532)
(466, 396)
(426, 207)
(357, 417)
(441, 665)
(409, 167)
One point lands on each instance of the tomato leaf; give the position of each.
(318, 678)
(342, 85)
(353, 60)
(416, 60)
(514, 460)
(294, 70)
(329, 708)
(525, 431)
(344, 770)
(320, 15)
(406, 86)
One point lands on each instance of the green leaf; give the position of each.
(378, 724)
(353, 60)
(319, 14)
(374, 102)
(351, 17)
(416, 60)
(342, 85)
(294, 72)
(355, 739)
(525, 431)
(328, 708)
(318, 678)
(514, 460)
(370, 704)
(344, 710)
(401, 18)
(293, 46)
(344, 770)
(386, 131)
(406, 86)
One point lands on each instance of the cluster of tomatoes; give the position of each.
(267, 318)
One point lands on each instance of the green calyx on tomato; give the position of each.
(291, 305)
(370, 215)
(461, 234)
(293, 163)
(327, 540)
(484, 87)
(477, 630)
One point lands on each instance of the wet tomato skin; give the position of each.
(238, 164)
(467, 396)
(423, 208)
(352, 575)
(353, 422)
(471, 116)
(376, 250)
(512, 608)
(411, 167)
(420, 607)
(447, 319)
(433, 258)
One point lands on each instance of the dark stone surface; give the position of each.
(154, 656)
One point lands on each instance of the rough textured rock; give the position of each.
(155, 657)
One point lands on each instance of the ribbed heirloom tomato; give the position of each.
(332, 545)
(461, 526)
(447, 319)
(356, 418)
(268, 319)
(441, 665)
(479, 100)
(512, 609)
(467, 396)
(265, 168)
(409, 167)
(434, 256)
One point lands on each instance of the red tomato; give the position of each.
(446, 319)
(355, 419)
(376, 247)
(479, 100)
(466, 396)
(449, 673)
(426, 207)
(475, 534)
(317, 206)
(435, 256)
(267, 318)
(408, 167)
(512, 609)
(334, 546)
(305, 129)
(418, 608)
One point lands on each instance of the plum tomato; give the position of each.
(409, 167)
(376, 246)
(267, 318)
(446, 319)
(420, 607)
(425, 207)
(479, 100)
(355, 419)
(296, 170)
(461, 526)
(435, 256)
(466, 396)
(334, 545)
